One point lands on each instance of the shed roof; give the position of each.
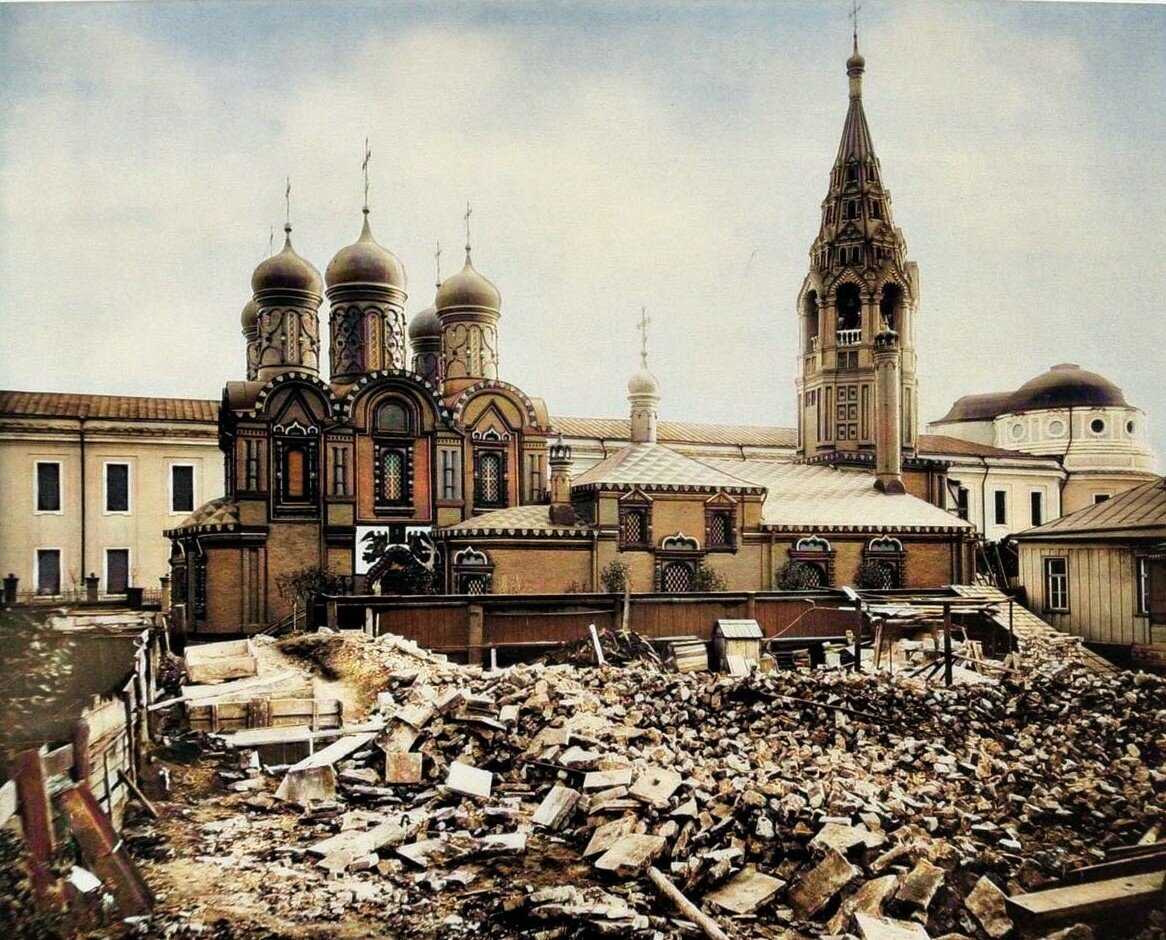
(1137, 513)
(739, 629)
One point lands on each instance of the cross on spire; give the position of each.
(855, 6)
(437, 261)
(364, 170)
(271, 242)
(469, 212)
(287, 204)
(642, 326)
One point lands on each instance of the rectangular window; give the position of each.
(339, 471)
(48, 571)
(534, 477)
(1036, 502)
(1100, 498)
(117, 570)
(1057, 584)
(1142, 570)
(250, 465)
(181, 487)
(451, 478)
(1001, 498)
(117, 487)
(633, 527)
(295, 472)
(719, 532)
(48, 486)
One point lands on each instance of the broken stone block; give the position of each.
(403, 767)
(746, 891)
(655, 786)
(605, 836)
(631, 854)
(871, 927)
(819, 885)
(604, 779)
(868, 899)
(920, 884)
(987, 904)
(556, 807)
(468, 780)
(310, 785)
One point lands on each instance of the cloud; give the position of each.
(672, 161)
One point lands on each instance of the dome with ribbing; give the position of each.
(643, 383)
(468, 288)
(250, 316)
(425, 325)
(286, 271)
(1065, 386)
(365, 261)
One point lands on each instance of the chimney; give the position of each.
(888, 437)
(559, 457)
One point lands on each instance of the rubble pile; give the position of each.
(551, 801)
(620, 648)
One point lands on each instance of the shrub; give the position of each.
(614, 577)
(705, 579)
(798, 576)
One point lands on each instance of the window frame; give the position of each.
(1036, 507)
(36, 553)
(449, 460)
(480, 454)
(1141, 586)
(129, 510)
(999, 507)
(60, 510)
(339, 470)
(404, 449)
(252, 464)
(731, 541)
(105, 568)
(1046, 563)
(1099, 498)
(193, 487)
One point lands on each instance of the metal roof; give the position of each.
(654, 465)
(680, 432)
(119, 407)
(534, 520)
(739, 629)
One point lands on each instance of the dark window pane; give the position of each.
(117, 487)
(1037, 507)
(48, 571)
(1001, 507)
(117, 570)
(393, 418)
(48, 487)
(182, 489)
(295, 473)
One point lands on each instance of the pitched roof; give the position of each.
(944, 446)
(817, 497)
(654, 465)
(118, 407)
(218, 515)
(680, 432)
(1139, 512)
(515, 520)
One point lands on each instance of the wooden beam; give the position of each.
(1077, 902)
(36, 820)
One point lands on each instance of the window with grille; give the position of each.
(250, 465)
(48, 486)
(720, 530)
(676, 578)
(490, 484)
(1057, 584)
(451, 486)
(392, 476)
(475, 584)
(339, 471)
(633, 527)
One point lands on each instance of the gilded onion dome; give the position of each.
(286, 271)
(250, 316)
(365, 261)
(425, 325)
(468, 288)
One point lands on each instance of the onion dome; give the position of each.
(286, 271)
(468, 288)
(365, 261)
(1064, 386)
(643, 383)
(250, 316)
(856, 61)
(425, 325)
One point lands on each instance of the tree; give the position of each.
(798, 576)
(303, 584)
(614, 576)
(705, 579)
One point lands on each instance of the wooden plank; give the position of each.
(36, 820)
(1087, 900)
(247, 688)
(335, 751)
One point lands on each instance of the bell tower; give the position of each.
(860, 284)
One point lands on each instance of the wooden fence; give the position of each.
(469, 626)
(107, 747)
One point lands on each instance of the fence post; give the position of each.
(858, 618)
(333, 614)
(81, 765)
(751, 606)
(947, 644)
(36, 821)
(475, 630)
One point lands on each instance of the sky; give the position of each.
(616, 154)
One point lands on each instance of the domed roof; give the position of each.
(643, 383)
(1064, 386)
(286, 271)
(365, 261)
(250, 315)
(856, 61)
(468, 288)
(425, 324)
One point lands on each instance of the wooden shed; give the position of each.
(737, 644)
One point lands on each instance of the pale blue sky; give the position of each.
(617, 154)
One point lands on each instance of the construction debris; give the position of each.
(550, 801)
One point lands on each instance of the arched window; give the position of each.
(392, 476)
(813, 543)
(849, 308)
(392, 417)
(811, 564)
(810, 343)
(490, 489)
(882, 564)
(890, 305)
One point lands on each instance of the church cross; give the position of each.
(469, 212)
(437, 262)
(642, 326)
(364, 169)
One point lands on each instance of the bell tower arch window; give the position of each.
(296, 462)
(890, 305)
(393, 425)
(491, 479)
(810, 322)
(849, 312)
